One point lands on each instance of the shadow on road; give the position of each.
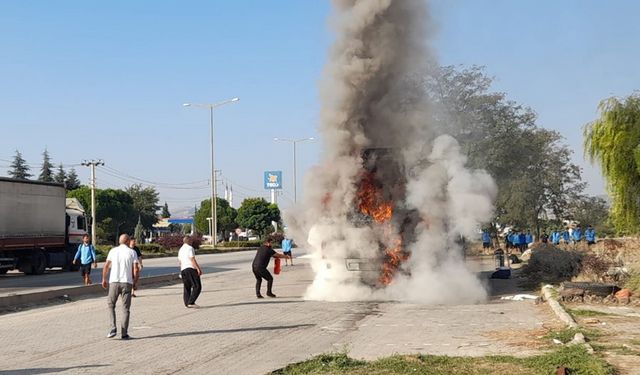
(47, 370)
(233, 330)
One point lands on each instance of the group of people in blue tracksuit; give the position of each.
(574, 236)
(519, 240)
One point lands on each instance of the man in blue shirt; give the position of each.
(486, 239)
(515, 240)
(86, 254)
(555, 237)
(529, 238)
(590, 235)
(522, 240)
(287, 244)
(577, 234)
(565, 236)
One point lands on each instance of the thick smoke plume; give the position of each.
(385, 211)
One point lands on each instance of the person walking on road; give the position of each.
(190, 273)
(122, 268)
(86, 254)
(132, 246)
(287, 245)
(260, 264)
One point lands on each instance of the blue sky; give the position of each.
(107, 79)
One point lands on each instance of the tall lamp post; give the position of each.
(294, 142)
(214, 205)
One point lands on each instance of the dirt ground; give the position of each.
(619, 333)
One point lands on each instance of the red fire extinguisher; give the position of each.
(276, 266)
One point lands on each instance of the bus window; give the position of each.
(81, 223)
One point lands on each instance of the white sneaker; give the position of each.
(112, 334)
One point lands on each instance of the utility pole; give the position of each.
(93, 163)
(295, 177)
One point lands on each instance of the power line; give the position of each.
(167, 184)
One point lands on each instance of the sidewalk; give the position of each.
(233, 333)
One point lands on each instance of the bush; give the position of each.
(171, 241)
(550, 264)
(594, 267)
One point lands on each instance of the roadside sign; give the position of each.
(273, 179)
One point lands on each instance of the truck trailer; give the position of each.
(39, 227)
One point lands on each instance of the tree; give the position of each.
(138, 232)
(115, 213)
(60, 176)
(19, 168)
(257, 214)
(46, 171)
(592, 211)
(530, 165)
(165, 211)
(145, 202)
(72, 182)
(225, 215)
(613, 142)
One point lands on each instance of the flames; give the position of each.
(371, 202)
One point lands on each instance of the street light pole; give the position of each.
(214, 205)
(93, 164)
(295, 172)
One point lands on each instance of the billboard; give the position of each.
(273, 179)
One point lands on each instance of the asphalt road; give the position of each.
(233, 333)
(18, 283)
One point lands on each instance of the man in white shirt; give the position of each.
(125, 267)
(190, 272)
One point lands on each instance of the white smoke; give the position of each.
(371, 102)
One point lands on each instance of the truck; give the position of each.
(39, 227)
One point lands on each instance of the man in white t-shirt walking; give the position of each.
(190, 272)
(125, 267)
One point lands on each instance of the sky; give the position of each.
(106, 80)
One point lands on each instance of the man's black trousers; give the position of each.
(262, 273)
(192, 286)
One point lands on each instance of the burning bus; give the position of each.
(378, 227)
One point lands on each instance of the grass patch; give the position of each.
(566, 334)
(615, 349)
(575, 358)
(587, 313)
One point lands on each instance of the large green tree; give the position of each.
(531, 165)
(225, 214)
(145, 202)
(115, 213)
(46, 170)
(257, 214)
(613, 142)
(19, 167)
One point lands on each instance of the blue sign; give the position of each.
(273, 179)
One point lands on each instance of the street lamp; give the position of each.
(214, 205)
(294, 142)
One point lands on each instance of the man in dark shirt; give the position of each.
(132, 246)
(259, 266)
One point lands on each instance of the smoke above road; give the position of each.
(384, 212)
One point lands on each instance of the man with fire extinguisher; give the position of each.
(260, 264)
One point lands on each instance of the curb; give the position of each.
(565, 317)
(557, 308)
(76, 291)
